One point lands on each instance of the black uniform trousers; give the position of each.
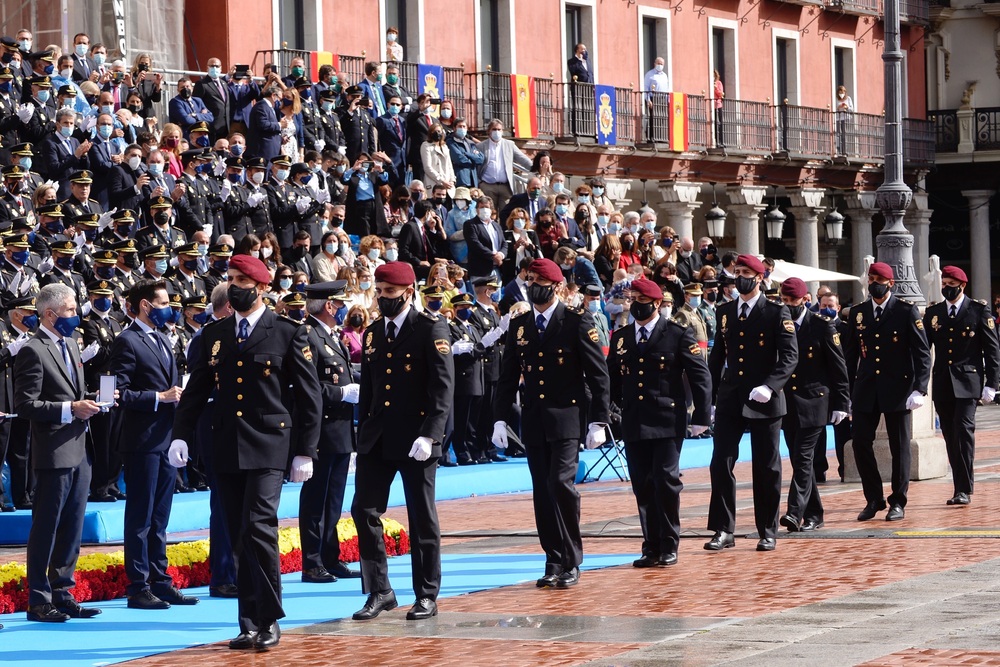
(4, 439)
(485, 421)
(766, 468)
(553, 466)
(251, 498)
(372, 480)
(463, 437)
(654, 467)
(54, 538)
(149, 478)
(898, 427)
(803, 496)
(841, 434)
(22, 477)
(958, 426)
(220, 547)
(820, 464)
(321, 502)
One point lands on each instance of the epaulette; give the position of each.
(682, 325)
(906, 301)
(824, 317)
(433, 317)
(286, 318)
(213, 323)
(982, 301)
(577, 311)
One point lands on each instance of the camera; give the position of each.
(143, 67)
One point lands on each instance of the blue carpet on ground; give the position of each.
(105, 522)
(121, 634)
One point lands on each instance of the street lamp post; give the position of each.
(894, 243)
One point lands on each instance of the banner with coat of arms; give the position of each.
(606, 104)
(430, 80)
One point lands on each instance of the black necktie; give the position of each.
(878, 312)
(390, 332)
(643, 339)
(243, 334)
(743, 311)
(540, 323)
(953, 309)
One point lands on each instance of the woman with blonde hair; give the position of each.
(371, 251)
(522, 242)
(145, 83)
(170, 145)
(290, 120)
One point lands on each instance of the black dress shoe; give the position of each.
(73, 610)
(376, 604)
(666, 560)
(790, 522)
(243, 641)
(721, 540)
(46, 613)
(895, 513)
(646, 561)
(103, 498)
(146, 600)
(483, 460)
(422, 608)
(766, 544)
(466, 461)
(173, 596)
(568, 578)
(447, 463)
(317, 575)
(224, 591)
(811, 524)
(960, 499)
(23, 505)
(201, 487)
(120, 495)
(182, 488)
(7, 507)
(267, 637)
(341, 571)
(499, 458)
(870, 510)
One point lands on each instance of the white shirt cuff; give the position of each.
(67, 413)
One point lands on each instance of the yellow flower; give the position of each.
(12, 572)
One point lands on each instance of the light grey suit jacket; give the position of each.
(511, 154)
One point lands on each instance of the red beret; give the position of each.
(794, 288)
(882, 270)
(547, 270)
(647, 287)
(395, 273)
(751, 263)
(954, 273)
(251, 267)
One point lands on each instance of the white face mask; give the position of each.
(484, 214)
(134, 162)
(265, 252)
(255, 254)
(666, 311)
(659, 68)
(258, 177)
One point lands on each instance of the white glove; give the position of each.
(255, 199)
(24, 112)
(104, 220)
(493, 335)
(409, 100)
(302, 204)
(421, 450)
(342, 150)
(174, 262)
(499, 435)
(302, 469)
(989, 393)
(88, 123)
(914, 400)
(837, 417)
(462, 347)
(227, 189)
(698, 430)
(761, 394)
(177, 455)
(90, 352)
(16, 346)
(79, 240)
(319, 145)
(46, 265)
(220, 168)
(351, 392)
(323, 196)
(504, 323)
(595, 436)
(85, 309)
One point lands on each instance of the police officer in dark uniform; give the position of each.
(648, 362)
(258, 207)
(63, 255)
(18, 275)
(160, 231)
(197, 214)
(486, 319)
(322, 498)
(407, 378)
(309, 216)
(123, 227)
(218, 257)
(23, 154)
(755, 345)
(465, 339)
(310, 122)
(557, 351)
(79, 202)
(817, 395)
(357, 125)
(185, 278)
(330, 120)
(16, 199)
(887, 351)
(86, 224)
(21, 322)
(964, 336)
(282, 199)
(51, 228)
(128, 266)
(235, 201)
(262, 368)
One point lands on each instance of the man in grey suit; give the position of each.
(49, 392)
(496, 173)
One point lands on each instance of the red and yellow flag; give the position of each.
(678, 122)
(318, 59)
(522, 90)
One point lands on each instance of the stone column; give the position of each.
(979, 232)
(918, 220)
(861, 207)
(747, 203)
(617, 190)
(680, 201)
(807, 206)
(828, 257)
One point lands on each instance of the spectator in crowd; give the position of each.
(61, 153)
(245, 91)
(436, 161)
(186, 109)
(147, 84)
(496, 173)
(522, 243)
(688, 263)
(290, 121)
(454, 224)
(354, 328)
(418, 128)
(466, 158)
(541, 167)
(550, 232)
(630, 254)
(83, 66)
(422, 240)
(845, 111)
(371, 87)
(393, 49)
(532, 199)
(392, 136)
(446, 116)
(579, 66)
(393, 88)
(213, 90)
(485, 238)
(264, 133)
(365, 212)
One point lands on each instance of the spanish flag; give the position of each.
(678, 122)
(522, 91)
(318, 59)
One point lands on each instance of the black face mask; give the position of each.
(796, 311)
(540, 294)
(391, 307)
(642, 311)
(745, 285)
(132, 261)
(951, 292)
(711, 296)
(878, 290)
(161, 218)
(242, 299)
(355, 321)
(297, 253)
(627, 245)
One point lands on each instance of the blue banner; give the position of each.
(606, 105)
(430, 80)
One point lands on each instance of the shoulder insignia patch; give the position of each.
(592, 334)
(789, 325)
(443, 346)
(836, 339)
(695, 349)
(307, 353)
(859, 318)
(429, 315)
(724, 318)
(520, 332)
(920, 323)
(216, 346)
(989, 322)
(368, 338)
(621, 342)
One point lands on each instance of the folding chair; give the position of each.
(612, 455)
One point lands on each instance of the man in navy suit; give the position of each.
(83, 66)
(531, 200)
(214, 91)
(49, 392)
(146, 376)
(487, 246)
(517, 289)
(62, 154)
(264, 133)
(578, 66)
(186, 109)
(392, 136)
